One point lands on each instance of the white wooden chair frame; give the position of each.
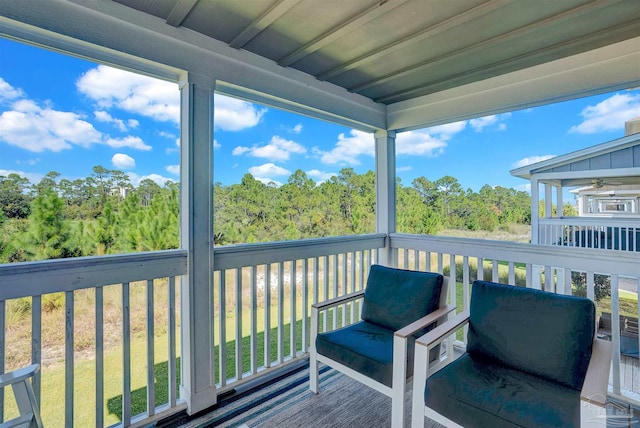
(594, 389)
(399, 382)
(20, 381)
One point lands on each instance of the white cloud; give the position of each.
(8, 92)
(421, 143)
(34, 178)
(531, 160)
(481, 123)
(216, 145)
(294, 130)
(269, 181)
(318, 175)
(447, 130)
(157, 178)
(268, 170)
(231, 114)
(404, 169)
(174, 169)
(103, 116)
(133, 123)
(37, 129)
(112, 87)
(348, 149)
(122, 161)
(608, 115)
(278, 149)
(129, 141)
(524, 187)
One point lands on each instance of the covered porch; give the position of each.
(237, 314)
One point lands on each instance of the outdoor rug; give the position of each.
(288, 403)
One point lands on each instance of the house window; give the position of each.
(613, 205)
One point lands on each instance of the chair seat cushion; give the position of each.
(481, 393)
(364, 347)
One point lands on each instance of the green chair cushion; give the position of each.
(364, 347)
(543, 334)
(481, 393)
(394, 298)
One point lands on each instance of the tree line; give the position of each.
(105, 213)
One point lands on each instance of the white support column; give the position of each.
(386, 191)
(559, 201)
(196, 236)
(548, 201)
(535, 211)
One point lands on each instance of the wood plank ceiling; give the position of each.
(395, 50)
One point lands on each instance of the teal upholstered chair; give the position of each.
(531, 357)
(398, 306)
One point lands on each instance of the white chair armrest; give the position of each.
(425, 321)
(594, 389)
(18, 375)
(338, 301)
(443, 331)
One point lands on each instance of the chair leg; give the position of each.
(313, 373)
(26, 402)
(397, 409)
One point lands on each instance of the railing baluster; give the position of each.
(325, 281)
(222, 326)
(334, 262)
(267, 315)
(68, 359)
(452, 279)
(512, 273)
(352, 279)
(172, 369)
(3, 341)
(343, 287)
(280, 312)
(126, 356)
(238, 326)
(99, 308)
(591, 293)
(305, 304)
(151, 375)
(254, 318)
(465, 282)
(292, 304)
(480, 269)
(495, 274)
(615, 330)
(36, 343)
(567, 282)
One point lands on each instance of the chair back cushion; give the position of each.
(544, 334)
(397, 297)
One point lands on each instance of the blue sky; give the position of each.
(66, 114)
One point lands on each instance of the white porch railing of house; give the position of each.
(606, 233)
(262, 295)
(536, 266)
(267, 290)
(98, 276)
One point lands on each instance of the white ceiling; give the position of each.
(390, 64)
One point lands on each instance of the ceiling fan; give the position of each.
(599, 182)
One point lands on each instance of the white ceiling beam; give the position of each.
(536, 26)
(262, 22)
(111, 33)
(605, 69)
(341, 30)
(180, 11)
(431, 31)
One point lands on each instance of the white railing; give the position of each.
(267, 290)
(606, 233)
(536, 266)
(104, 287)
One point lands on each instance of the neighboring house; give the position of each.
(606, 180)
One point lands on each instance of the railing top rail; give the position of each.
(51, 276)
(579, 259)
(593, 221)
(240, 255)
